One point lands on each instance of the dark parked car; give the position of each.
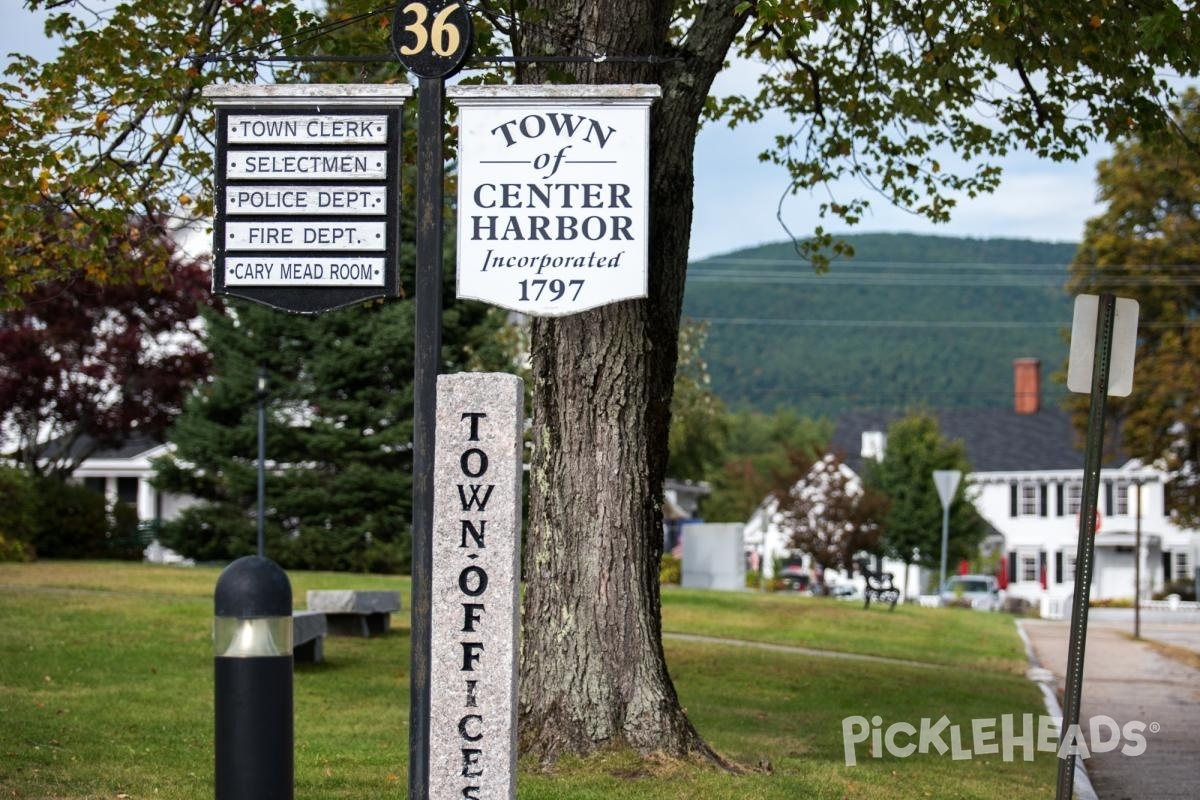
(794, 578)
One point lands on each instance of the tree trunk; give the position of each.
(592, 668)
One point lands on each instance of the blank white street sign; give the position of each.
(1083, 345)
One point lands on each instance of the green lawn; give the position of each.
(938, 636)
(106, 692)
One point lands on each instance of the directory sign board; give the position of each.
(307, 194)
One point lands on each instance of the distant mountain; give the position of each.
(910, 321)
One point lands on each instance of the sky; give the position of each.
(737, 197)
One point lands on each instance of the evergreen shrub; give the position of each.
(71, 520)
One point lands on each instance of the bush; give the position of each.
(18, 515)
(1018, 605)
(14, 550)
(1112, 602)
(670, 570)
(1185, 589)
(71, 521)
(210, 533)
(387, 558)
(123, 539)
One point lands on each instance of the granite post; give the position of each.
(476, 579)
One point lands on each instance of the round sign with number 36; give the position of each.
(432, 37)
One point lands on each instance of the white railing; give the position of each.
(1059, 607)
(1171, 603)
(1055, 606)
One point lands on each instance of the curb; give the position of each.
(1046, 681)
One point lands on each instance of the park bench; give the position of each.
(879, 586)
(308, 636)
(355, 613)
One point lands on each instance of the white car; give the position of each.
(980, 592)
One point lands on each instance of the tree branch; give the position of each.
(1039, 109)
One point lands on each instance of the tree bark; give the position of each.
(593, 674)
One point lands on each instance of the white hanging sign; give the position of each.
(553, 195)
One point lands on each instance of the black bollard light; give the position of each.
(252, 637)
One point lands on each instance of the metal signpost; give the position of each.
(1137, 562)
(1101, 363)
(946, 481)
(261, 394)
(432, 40)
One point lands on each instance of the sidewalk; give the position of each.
(1128, 681)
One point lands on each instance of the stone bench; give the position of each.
(308, 636)
(354, 613)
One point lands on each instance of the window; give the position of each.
(127, 490)
(1029, 499)
(1029, 566)
(1121, 498)
(1068, 567)
(1181, 565)
(1074, 498)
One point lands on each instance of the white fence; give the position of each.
(1060, 607)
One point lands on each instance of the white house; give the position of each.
(1028, 480)
(124, 474)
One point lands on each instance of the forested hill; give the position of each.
(909, 321)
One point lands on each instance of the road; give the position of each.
(1131, 682)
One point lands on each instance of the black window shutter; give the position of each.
(1061, 507)
(1108, 498)
(1042, 500)
(1012, 567)
(1012, 499)
(1058, 567)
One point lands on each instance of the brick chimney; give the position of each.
(1027, 385)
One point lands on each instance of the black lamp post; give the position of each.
(262, 455)
(252, 643)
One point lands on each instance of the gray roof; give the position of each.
(996, 439)
(131, 447)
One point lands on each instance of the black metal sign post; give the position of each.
(431, 40)
(1086, 546)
